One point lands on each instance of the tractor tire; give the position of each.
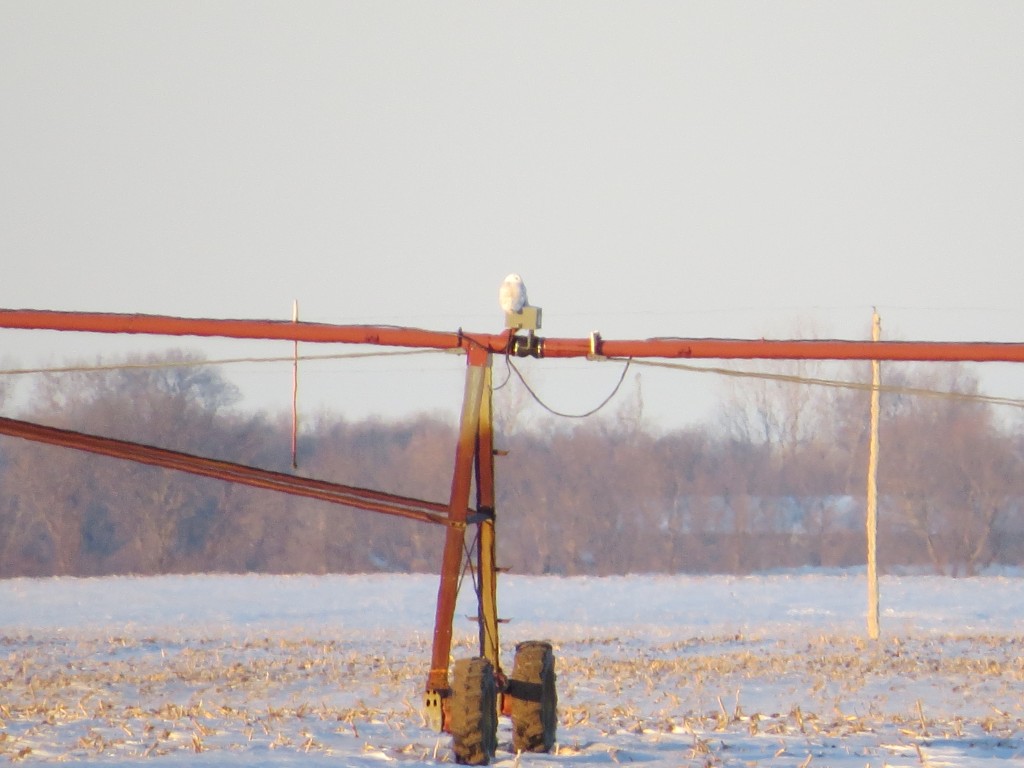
(534, 698)
(473, 711)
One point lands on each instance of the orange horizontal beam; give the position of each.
(392, 336)
(793, 349)
(163, 325)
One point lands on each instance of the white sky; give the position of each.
(652, 168)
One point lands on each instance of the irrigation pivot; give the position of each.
(463, 698)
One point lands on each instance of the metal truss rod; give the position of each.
(321, 490)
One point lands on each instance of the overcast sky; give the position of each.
(650, 168)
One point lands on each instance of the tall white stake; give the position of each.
(295, 392)
(872, 493)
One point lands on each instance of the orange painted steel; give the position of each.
(163, 325)
(466, 458)
(793, 349)
(322, 490)
(684, 348)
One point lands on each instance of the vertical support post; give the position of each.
(486, 565)
(295, 391)
(872, 491)
(454, 542)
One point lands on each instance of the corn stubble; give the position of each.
(145, 698)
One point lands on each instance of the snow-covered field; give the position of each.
(652, 671)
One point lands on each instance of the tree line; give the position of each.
(777, 481)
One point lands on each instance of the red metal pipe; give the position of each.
(322, 490)
(792, 349)
(671, 348)
(163, 325)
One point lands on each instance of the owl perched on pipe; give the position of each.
(512, 294)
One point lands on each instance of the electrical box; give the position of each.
(527, 319)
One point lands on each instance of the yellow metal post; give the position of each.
(486, 565)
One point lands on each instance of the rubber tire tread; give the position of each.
(534, 723)
(473, 711)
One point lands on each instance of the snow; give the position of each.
(653, 671)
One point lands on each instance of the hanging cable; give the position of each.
(467, 562)
(508, 373)
(477, 581)
(198, 363)
(474, 576)
(836, 383)
(591, 412)
(510, 368)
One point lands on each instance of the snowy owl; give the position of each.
(512, 294)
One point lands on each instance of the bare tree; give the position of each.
(599, 496)
(811, 426)
(77, 513)
(949, 470)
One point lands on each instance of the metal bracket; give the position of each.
(527, 346)
(433, 711)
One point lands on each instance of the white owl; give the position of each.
(512, 294)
